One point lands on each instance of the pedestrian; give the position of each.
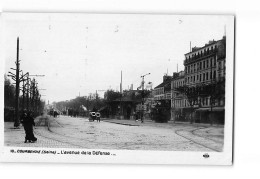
(98, 116)
(28, 123)
(136, 116)
(23, 116)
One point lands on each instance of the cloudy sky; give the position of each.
(82, 53)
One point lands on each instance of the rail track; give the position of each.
(178, 132)
(193, 132)
(44, 121)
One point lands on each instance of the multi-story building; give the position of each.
(203, 66)
(162, 92)
(162, 100)
(178, 100)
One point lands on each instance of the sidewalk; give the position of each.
(127, 122)
(138, 123)
(14, 137)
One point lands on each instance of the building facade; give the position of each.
(202, 97)
(162, 100)
(178, 100)
(162, 92)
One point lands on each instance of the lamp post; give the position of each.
(142, 108)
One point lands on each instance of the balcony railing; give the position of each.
(204, 55)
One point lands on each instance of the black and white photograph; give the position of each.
(118, 88)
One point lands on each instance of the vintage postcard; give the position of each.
(117, 88)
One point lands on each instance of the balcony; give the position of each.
(201, 56)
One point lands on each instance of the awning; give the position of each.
(209, 109)
(103, 108)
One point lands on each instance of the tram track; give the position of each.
(178, 132)
(188, 133)
(47, 124)
(193, 132)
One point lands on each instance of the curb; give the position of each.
(120, 123)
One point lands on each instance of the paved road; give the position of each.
(68, 132)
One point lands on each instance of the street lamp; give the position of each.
(142, 108)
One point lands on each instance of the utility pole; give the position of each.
(17, 87)
(16, 78)
(27, 92)
(22, 79)
(34, 93)
(97, 97)
(211, 90)
(23, 90)
(173, 115)
(121, 92)
(142, 108)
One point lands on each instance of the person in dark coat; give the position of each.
(98, 115)
(28, 123)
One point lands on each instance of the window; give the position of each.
(203, 64)
(203, 76)
(207, 63)
(200, 77)
(207, 76)
(197, 77)
(214, 75)
(219, 65)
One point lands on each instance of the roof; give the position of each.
(163, 84)
(206, 45)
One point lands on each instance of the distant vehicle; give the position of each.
(98, 115)
(92, 116)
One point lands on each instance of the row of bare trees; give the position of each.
(29, 100)
(93, 101)
(195, 94)
(80, 104)
(14, 102)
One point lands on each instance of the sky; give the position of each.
(80, 53)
